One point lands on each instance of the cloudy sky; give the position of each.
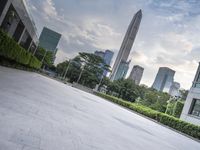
(169, 33)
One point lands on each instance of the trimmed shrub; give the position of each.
(170, 121)
(10, 50)
(178, 109)
(34, 63)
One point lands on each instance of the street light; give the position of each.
(64, 76)
(80, 74)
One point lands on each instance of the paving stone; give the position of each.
(38, 113)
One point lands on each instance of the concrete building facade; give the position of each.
(49, 39)
(17, 23)
(136, 74)
(164, 79)
(122, 57)
(107, 57)
(191, 109)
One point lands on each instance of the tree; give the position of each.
(184, 93)
(48, 56)
(89, 64)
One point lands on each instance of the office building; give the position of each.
(49, 40)
(164, 79)
(107, 57)
(122, 57)
(174, 89)
(136, 74)
(191, 109)
(17, 23)
(122, 70)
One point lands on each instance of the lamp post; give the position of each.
(80, 74)
(64, 76)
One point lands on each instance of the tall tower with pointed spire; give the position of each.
(121, 64)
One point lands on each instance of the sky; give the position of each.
(169, 33)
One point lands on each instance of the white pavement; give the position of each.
(38, 113)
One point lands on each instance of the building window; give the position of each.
(195, 108)
(197, 81)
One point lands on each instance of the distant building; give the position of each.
(106, 56)
(164, 79)
(100, 54)
(118, 72)
(17, 23)
(49, 39)
(174, 89)
(122, 70)
(136, 74)
(191, 109)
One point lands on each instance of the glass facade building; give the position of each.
(136, 74)
(164, 79)
(125, 48)
(122, 70)
(49, 39)
(106, 56)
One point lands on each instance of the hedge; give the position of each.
(170, 121)
(178, 108)
(11, 50)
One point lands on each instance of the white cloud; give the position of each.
(168, 35)
(49, 8)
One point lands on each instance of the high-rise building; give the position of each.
(122, 70)
(174, 89)
(136, 74)
(191, 109)
(122, 57)
(16, 21)
(164, 79)
(49, 39)
(106, 56)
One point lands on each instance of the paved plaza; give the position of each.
(38, 113)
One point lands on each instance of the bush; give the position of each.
(178, 108)
(170, 121)
(10, 50)
(34, 63)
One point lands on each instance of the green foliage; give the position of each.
(155, 100)
(174, 107)
(178, 108)
(170, 107)
(91, 65)
(34, 63)
(48, 56)
(9, 49)
(127, 90)
(184, 94)
(170, 121)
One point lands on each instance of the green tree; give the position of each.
(90, 65)
(47, 55)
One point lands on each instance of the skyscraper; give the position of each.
(49, 39)
(164, 79)
(136, 74)
(106, 56)
(120, 66)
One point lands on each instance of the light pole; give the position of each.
(44, 56)
(80, 74)
(64, 76)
